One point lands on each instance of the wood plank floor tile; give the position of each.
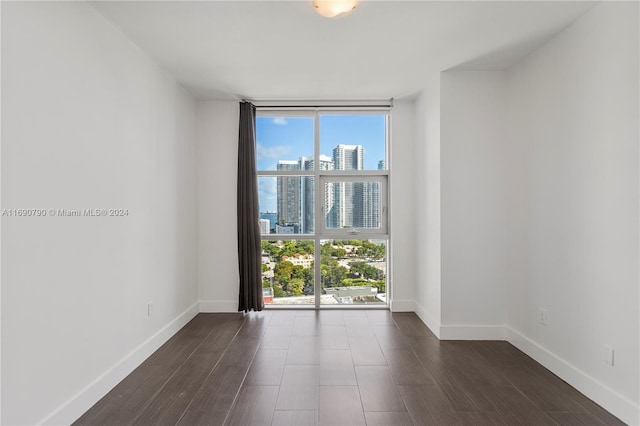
(463, 394)
(195, 370)
(300, 366)
(380, 317)
(306, 326)
(333, 337)
(295, 418)
(255, 324)
(254, 407)
(267, 368)
(340, 405)
(331, 317)
(240, 351)
(366, 351)
(277, 337)
(512, 404)
(390, 337)
(336, 368)
(283, 318)
(406, 369)
(479, 418)
(359, 330)
(119, 417)
(379, 418)
(477, 369)
(203, 418)
(377, 390)
(600, 413)
(427, 404)
(299, 388)
(410, 324)
(219, 389)
(357, 321)
(304, 350)
(551, 398)
(166, 408)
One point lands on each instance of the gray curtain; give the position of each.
(249, 250)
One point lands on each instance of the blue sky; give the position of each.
(289, 138)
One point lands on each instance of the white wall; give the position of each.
(473, 176)
(426, 151)
(574, 203)
(217, 164)
(218, 278)
(88, 121)
(402, 215)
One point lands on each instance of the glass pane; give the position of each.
(287, 272)
(287, 204)
(353, 272)
(284, 143)
(354, 141)
(352, 205)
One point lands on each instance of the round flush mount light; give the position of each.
(334, 8)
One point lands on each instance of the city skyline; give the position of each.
(346, 204)
(282, 138)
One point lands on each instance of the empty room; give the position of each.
(315, 212)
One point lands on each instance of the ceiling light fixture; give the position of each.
(334, 8)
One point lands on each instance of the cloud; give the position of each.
(280, 121)
(277, 152)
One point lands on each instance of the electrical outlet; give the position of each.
(149, 309)
(608, 355)
(542, 316)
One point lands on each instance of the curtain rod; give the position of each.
(298, 104)
(324, 106)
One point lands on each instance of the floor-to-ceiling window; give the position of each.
(323, 191)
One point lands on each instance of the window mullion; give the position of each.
(318, 210)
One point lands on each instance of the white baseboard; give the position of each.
(618, 405)
(402, 305)
(213, 306)
(472, 332)
(75, 407)
(432, 323)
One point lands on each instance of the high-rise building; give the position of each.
(288, 188)
(346, 196)
(308, 198)
(346, 204)
(264, 226)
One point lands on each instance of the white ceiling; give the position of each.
(284, 50)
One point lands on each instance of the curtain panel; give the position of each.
(249, 247)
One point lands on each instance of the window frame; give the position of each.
(320, 232)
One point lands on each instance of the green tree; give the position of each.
(269, 248)
(265, 267)
(306, 247)
(364, 270)
(288, 249)
(349, 282)
(282, 272)
(334, 275)
(295, 287)
(278, 291)
(308, 276)
(297, 272)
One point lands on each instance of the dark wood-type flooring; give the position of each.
(349, 367)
